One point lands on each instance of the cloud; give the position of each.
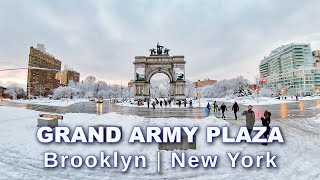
(220, 39)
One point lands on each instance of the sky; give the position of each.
(219, 39)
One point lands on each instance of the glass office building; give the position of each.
(290, 70)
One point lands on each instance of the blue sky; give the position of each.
(220, 39)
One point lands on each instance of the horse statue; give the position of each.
(166, 51)
(152, 51)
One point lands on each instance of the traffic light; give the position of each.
(263, 81)
(255, 88)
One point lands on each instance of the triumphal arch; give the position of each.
(159, 61)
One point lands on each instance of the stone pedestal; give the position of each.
(184, 145)
(44, 121)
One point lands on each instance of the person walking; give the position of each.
(235, 109)
(223, 108)
(160, 103)
(169, 102)
(212, 107)
(165, 103)
(207, 110)
(266, 123)
(148, 103)
(179, 103)
(154, 105)
(250, 118)
(190, 103)
(215, 106)
(185, 103)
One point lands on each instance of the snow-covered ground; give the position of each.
(22, 154)
(47, 102)
(317, 118)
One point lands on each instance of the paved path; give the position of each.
(297, 110)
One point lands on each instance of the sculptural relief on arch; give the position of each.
(159, 61)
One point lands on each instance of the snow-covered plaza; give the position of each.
(22, 155)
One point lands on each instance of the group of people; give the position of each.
(249, 115)
(216, 108)
(166, 103)
(250, 121)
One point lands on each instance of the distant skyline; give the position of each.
(219, 39)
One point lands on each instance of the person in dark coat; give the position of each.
(223, 108)
(266, 122)
(154, 105)
(185, 103)
(235, 109)
(179, 103)
(148, 103)
(160, 103)
(190, 103)
(215, 106)
(165, 103)
(169, 102)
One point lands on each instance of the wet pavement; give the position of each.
(300, 109)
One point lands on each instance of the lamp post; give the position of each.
(197, 94)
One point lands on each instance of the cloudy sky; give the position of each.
(219, 39)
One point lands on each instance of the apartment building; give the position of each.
(290, 67)
(42, 71)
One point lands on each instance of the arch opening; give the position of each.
(159, 86)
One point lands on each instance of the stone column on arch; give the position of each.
(172, 90)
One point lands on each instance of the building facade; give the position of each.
(290, 69)
(42, 71)
(69, 75)
(316, 57)
(203, 83)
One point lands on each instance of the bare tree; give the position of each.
(91, 79)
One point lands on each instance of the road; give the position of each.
(301, 109)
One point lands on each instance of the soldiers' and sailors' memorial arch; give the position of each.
(159, 61)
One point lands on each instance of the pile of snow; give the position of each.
(316, 119)
(22, 154)
(48, 102)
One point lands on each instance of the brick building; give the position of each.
(203, 83)
(43, 80)
(69, 75)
